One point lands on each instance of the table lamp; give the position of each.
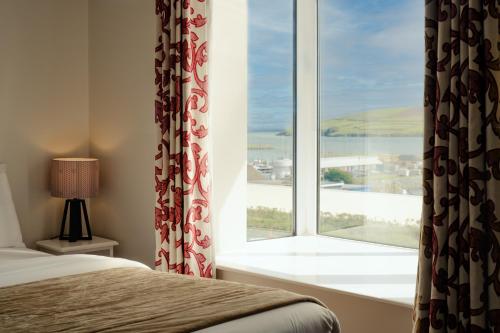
(74, 179)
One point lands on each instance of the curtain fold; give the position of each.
(458, 284)
(182, 183)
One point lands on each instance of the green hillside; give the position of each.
(381, 122)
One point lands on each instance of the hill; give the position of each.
(379, 122)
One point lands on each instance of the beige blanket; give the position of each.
(132, 300)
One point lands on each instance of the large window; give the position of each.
(271, 109)
(367, 156)
(371, 120)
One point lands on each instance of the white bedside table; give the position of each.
(60, 247)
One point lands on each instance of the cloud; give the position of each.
(375, 59)
(405, 34)
(337, 20)
(270, 16)
(371, 56)
(270, 52)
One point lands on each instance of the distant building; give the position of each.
(416, 172)
(409, 158)
(358, 166)
(282, 168)
(349, 162)
(403, 172)
(254, 175)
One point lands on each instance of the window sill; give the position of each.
(383, 273)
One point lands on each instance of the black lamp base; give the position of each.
(75, 221)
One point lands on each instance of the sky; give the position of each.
(371, 57)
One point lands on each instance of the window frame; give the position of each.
(307, 133)
(306, 138)
(294, 125)
(295, 220)
(318, 145)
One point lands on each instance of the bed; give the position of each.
(40, 292)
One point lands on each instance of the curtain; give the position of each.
(182, 208)
(458, 284)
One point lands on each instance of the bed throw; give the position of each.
(133, 300)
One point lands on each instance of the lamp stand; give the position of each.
(75, 221)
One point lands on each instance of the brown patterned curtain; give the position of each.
(458, 286)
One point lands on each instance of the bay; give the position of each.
(269, 146)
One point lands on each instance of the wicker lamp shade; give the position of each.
(74, 177)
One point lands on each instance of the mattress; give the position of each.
(19, 266)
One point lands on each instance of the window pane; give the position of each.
(371, 119)
(270, 118)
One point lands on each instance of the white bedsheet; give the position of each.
(23, 265)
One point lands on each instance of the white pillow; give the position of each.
(10, 232)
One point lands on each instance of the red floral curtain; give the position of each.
(182, 210)
(458, 288)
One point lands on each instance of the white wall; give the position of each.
(228, 97)
(122, 125)
(356, 314)
(43, 101)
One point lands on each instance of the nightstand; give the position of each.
(97, 245)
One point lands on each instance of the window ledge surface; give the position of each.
(380, 272)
